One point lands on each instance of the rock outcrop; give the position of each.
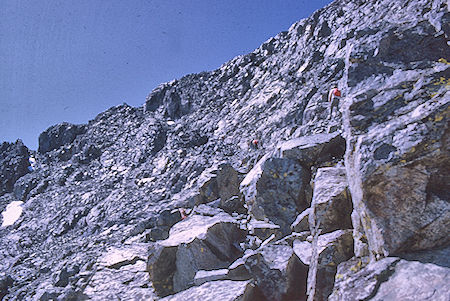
(331, 206)
(197, 243)
(172, 200)
(13, 164)
(278, 272)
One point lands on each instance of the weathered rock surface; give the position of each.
(275, 189)
(331, 206)
(391, 278)
(278, 272)
(226, 290)
(396, 126)
(59, 135)
(196, 243)
(121, 274)
(112, 183)
(328, 251)
(13, 164)
(314, 149)
(221, 183)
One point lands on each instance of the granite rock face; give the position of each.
(396, 126)
(128, 181)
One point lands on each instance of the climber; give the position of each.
(183, 213)
(254, 144)
(333, 98)
(32, 162)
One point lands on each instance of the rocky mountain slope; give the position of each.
(170, 201)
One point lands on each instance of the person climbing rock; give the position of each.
(254, 144)
(183, 213)
(333, 98)
(32, 162)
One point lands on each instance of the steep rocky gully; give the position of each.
(352, 207)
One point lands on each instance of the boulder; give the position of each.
(275, 189)
(196, 243)
(278, 272)
(356, 279)
(220, 183)
(25, 185)
(59, 135)
(328, 251)
(225, 290)
(331, 206)
(301, 223)
(313, 149)
(13, 164)
(397, 132)
(391, 278)
(407, 282)
(168, 217)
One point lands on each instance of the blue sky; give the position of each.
(68, 60)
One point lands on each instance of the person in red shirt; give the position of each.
(333, 98)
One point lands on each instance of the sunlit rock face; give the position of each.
(105, 202)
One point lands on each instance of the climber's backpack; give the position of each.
(337, 92)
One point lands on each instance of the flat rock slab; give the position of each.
(225, 290)
(207, 276)
(121, 274)
(391, 278)
(313, 149)
(264, 230)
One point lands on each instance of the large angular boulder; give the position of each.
(278, 272)
(314, 149)
(276, 190)
(13, 164)
(59, 135)
(225, 290)
(331, 206)
(196, 243)
(390, 278)
(397, 132)
(328, 251)
(220, 183)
